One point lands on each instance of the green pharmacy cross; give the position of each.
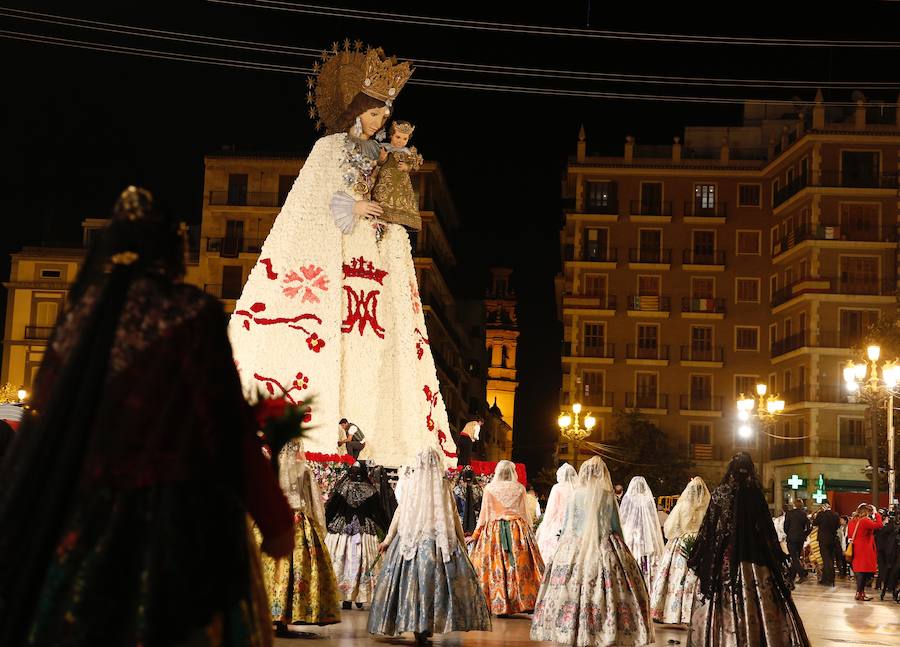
(819, 495)
(795, 482)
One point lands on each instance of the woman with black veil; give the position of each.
(124, 497)
(743, 598)
(356, 520)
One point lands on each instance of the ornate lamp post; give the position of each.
(570, 428)
(764, 408)
(874, 382)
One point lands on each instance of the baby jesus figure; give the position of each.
(393, 189)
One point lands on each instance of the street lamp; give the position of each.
(23, 395)
(863, 379)
(570, 427)
(765, 408)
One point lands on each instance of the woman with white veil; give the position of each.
(593, 593)
(555, 513)
(427, 583)
(640, 526)
(505, 554)
(674, 584)
(302, 588)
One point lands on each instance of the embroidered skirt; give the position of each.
(509, 565)
(674, 587)
(354, 559)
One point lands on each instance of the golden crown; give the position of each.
(348, 71)
(402, 127)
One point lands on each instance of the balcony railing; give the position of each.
(697, 209)
(831, 231)
(821, 339)
(700, 402)
(246, 199)
(781, 448)
(38, 332)
(831, 393)
(231, 247)
(832, 178)
(647, 401)
(604, 399)
(607, 351)
(648, 255)
(604, 207)
(638, 208)
(790, 343)
(790, 189)
(610, 255)
(834, 285)
(702, 305)
(649, 304)
(636, 351)
(834, 449)
(702, 354)
(213, 289)
(694, 257)
(703, 451)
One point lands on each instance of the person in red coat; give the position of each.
(865, 558)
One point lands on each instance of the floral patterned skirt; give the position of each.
(600, 603)
(753, 613)
(302, 589)
(510, 576)
(674, 587)
(426, 594)
(356, 563)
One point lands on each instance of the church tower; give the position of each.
(501, 336)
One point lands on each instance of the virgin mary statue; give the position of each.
(331, 311)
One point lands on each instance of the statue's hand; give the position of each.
(367, 208)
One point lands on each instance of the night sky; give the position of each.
(81, 125)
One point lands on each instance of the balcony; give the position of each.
(700, 402)
(836, 179)
(703, 306)
(821, 393)
(835, 232)
(609, 255)
(791, 188)
(834, 449)
(834, 285)
(601, 207)
(213, 289)
(704, 260)
(654, 401)
(637, 351)
(697, 209)
(233, 247)
(707, 354)
(607, 351)
(662, 209)
(649, 256)
(649, 304)
(246, 199)
(606, 400)
(819, 339)
(38, 332)
(781, 448)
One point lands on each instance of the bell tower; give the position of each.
(501, 337)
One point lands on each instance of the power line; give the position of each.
(540, 30)
(522, 90)
(309, 52)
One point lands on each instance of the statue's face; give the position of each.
(373, 120)
(399, 140)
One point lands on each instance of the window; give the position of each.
(703, 287)
(592, 387)
(704, 246)
(748, 242)
(46, 313)
(596, 244)
(788, 328)
(234, 238)
(804, 169)
(746, 338)
(803, 270)
(647, 388)
(788, 276)
(701, 433)
(232, 281)
(860, 222)
(704, 198)
(285, 184)
(852, 432)
(601, 196)
(747, 290)
(647, 341)
(702, 343)
(651, 198)
(775, 237)
(594, 339)
(650, 245)
(745, 385)
(701, 392)
(51, 274)
(859, 274)
(776, 187)
(773, 335)
(790, 177)
(237, 188)
(773, 286)
(594, 286)
(649, 286)
(860, 168)
(854, 324)
(749, 195)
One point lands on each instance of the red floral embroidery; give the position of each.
(291, 322)
(362, 309)
(267, 263)
(310, 278)
(420, 349)
(432, 397)
(416, 299)
(300, 384)
(315, 343)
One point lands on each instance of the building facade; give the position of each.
(757, 253)
(501, 341)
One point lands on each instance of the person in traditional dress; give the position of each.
(593, 592)
(382, 482)
(744, 598)
(356, 518)
(468, 494)
(332, 306)
(467, 438)
(640, 526)
(302, 587)
(124, 497)
(532, 505)
(505, 553)
(674, 584)
(427, 584)
(555, 513)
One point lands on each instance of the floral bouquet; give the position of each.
(687, 545)
(280, 420)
